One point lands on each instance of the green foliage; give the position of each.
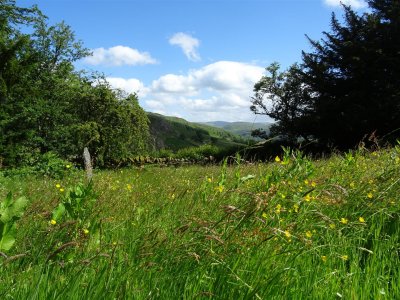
(292, 229)
(77, 203)
(48, 164)
(47, 106)
(176, 133)
(242, 129)
(10, 212)
(163, 153)
(72, 221)
(346, 89)
(289, 98)
(197, 153)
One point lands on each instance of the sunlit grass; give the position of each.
(291, 229)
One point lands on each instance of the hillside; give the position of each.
(242, 129)
(176, 133)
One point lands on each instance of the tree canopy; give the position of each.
(48, 106)
(348, 87)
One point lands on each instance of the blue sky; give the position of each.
(196, 59)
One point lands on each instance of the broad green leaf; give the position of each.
(12, 209)
(7, 236)
(7, 202)
(18, 206)
(58, 212)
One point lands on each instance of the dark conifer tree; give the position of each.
(350, 82)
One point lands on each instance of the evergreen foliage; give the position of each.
(347, 88)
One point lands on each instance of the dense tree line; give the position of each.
(48, 106)
(346, 89)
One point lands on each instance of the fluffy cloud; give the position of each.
(172, 83)
(353, 3)
(131, 85)
(220, 76)
(118, 56)
(218, 91)
(227, 76)
(188, 45)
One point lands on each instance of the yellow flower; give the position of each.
(306, 182)
(220, 188)
(85, 231)
(344, 221)
(332, 226)
(361, 219)
(68, 166)
(324, 258)
(313, 184)
(352, 185)
(370, 195)
(278, 208)
(53, 222)
(285, 162)
(308, 234)
(307, 198)
(58, 185)
(264, 215)
(344, 257)
(296, 208)
(277, 159)
(209, 179)
(287, 234)
(61, 190)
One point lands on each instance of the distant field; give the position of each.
(292, 229)
(176, 133)
(242, 129)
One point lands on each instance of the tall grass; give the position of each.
(292, 229)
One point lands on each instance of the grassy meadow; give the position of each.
(295, 228)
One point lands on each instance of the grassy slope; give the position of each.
(298, 230)
(175, 133)
(242, 129)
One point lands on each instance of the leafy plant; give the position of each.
(47, 164)
(77, 203)
(10, 212)
(50, 164)
(76, 209)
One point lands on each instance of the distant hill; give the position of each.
(242, 129)
(176, 133)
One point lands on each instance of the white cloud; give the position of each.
(131, 85)
(172, 83)
(218, 91)
(353, 3)
(155, 105)
(188, 45)
(228, 76)
(219, 76)
(118, 56)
